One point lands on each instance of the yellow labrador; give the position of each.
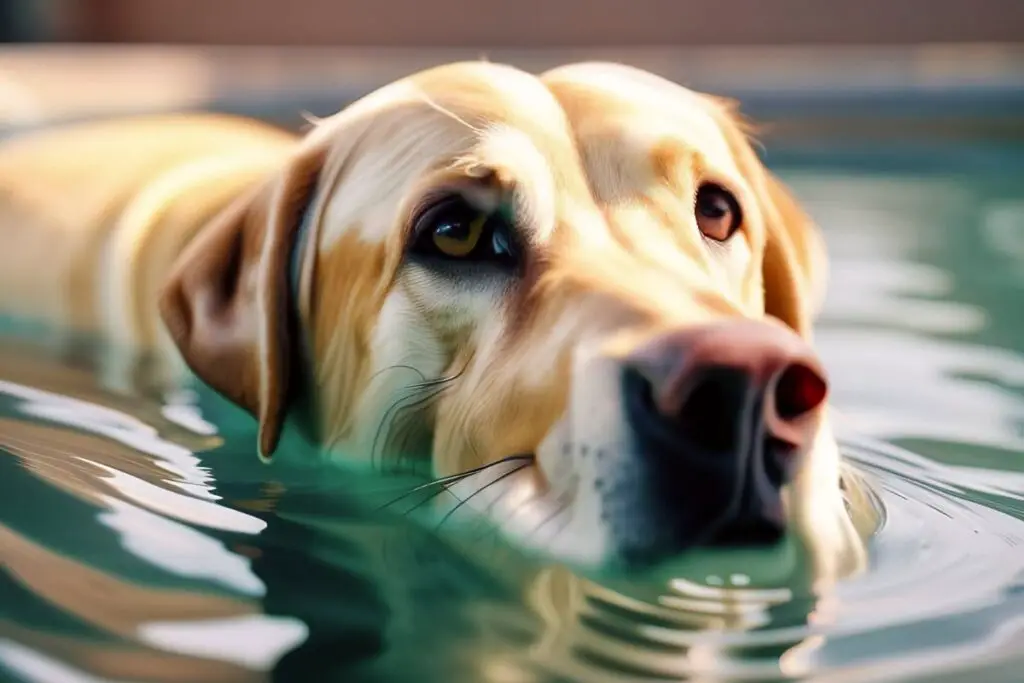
(583, 285)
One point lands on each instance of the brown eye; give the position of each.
(459, 239)
(718, 214)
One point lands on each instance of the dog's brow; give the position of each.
(525, 172)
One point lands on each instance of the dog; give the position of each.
(578, 295)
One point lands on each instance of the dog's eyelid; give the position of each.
(480, 189)
(727, 183)
(480, 194)
(434, 202)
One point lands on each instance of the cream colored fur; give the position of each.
(106, 225)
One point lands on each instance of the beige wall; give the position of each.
(534, 23)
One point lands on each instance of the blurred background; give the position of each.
(803, 65)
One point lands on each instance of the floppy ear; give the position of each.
(226, 302)
(794, 270)
(795, 265)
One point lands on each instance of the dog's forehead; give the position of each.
(645, 107)
(492, 93)
(533, 126)
(479, 94)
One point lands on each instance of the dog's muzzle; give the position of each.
(720, 417)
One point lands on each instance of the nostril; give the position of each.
(643, 393)
(640, 403)
(708, 418)
(799, 390)
(713, 408)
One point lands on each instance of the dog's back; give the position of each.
(87, 209)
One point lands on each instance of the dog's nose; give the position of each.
(703, 379)
(732, 405)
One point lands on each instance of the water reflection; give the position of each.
(112, 466)
(923, 293)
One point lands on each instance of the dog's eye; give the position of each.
(718, 213)
(458, 238)
(454, 229)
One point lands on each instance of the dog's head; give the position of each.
(588, 270)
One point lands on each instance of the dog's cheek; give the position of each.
(393, 404)
(348, 309)
(517, 388)
(497, 410)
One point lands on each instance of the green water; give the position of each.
(142, 541)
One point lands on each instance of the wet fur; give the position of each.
(600, 162)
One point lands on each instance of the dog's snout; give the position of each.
(726, 412)
(705, 380)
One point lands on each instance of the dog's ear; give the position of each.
(794, 270)
(795, 265)
(226, 302)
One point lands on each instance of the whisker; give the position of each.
(446, 380)
(479, 491)
(452, 478)
(537, 495)
(494, 528)
(398, 366)
(445, 488)
(534, 496)
(386, 420)
(406, 430)
(402, 366)
(562, 500)
(423, 383)
(563, 505)
(391, 415)
(399, 425)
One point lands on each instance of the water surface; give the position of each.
(142, 541)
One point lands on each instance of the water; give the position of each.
(142, 540)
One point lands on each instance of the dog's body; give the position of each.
(93, 215)
(277, 262)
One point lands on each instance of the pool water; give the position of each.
(142, 541)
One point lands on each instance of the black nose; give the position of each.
(723, 414)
